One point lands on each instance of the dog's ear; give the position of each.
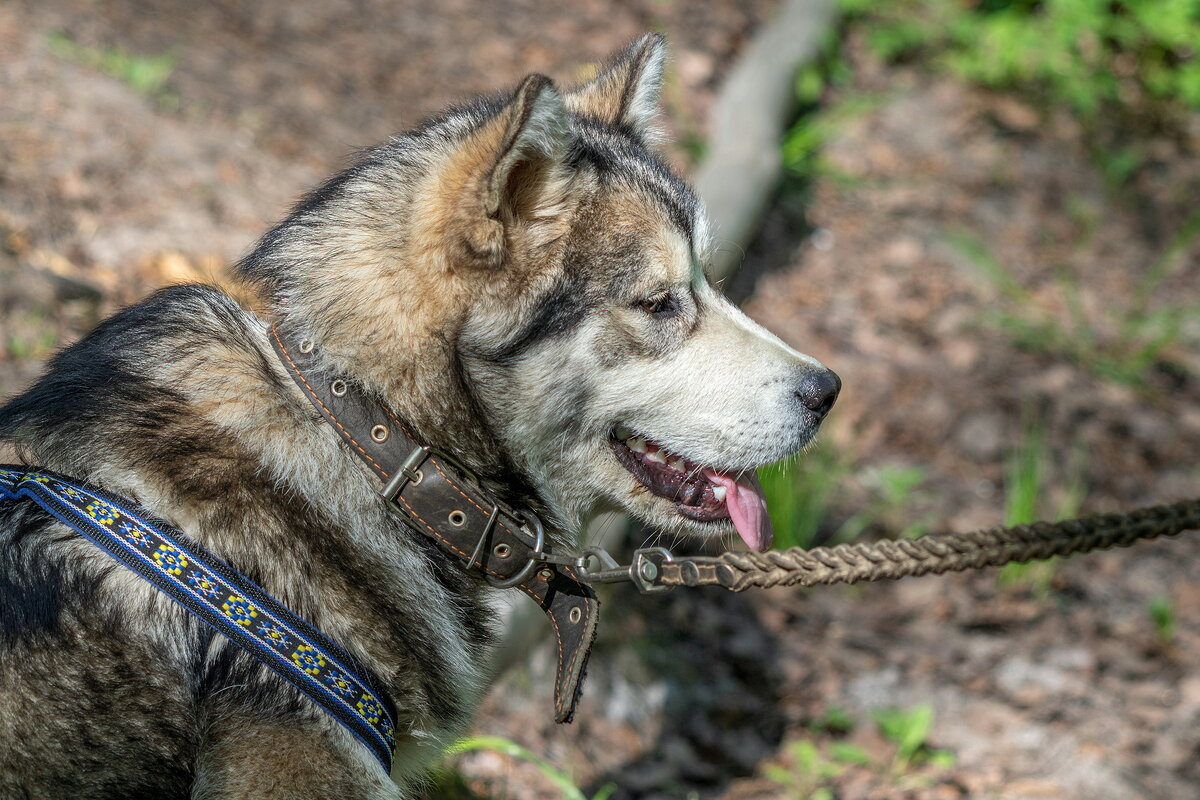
(508, 168)
(625, 93)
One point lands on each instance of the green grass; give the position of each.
(1114, 64)
(805, 493)
(146, 75)
(804, 141)
(1162, 614)
(810, 767)
(835, 720)
(1124, 345)
(1026, 486)
(800, 494)
(804, 779)
(909, 731)
(818, 120)
(560, 779)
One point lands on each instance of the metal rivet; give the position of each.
(546, 574)
(502, 550)
(575, 615)
(649, 570)
(338, 388)
(306, 346)
(380, 433)
(457, 518)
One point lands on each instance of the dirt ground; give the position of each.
(1058, 688)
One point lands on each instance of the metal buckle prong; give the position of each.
(405, 473)
(483, 537)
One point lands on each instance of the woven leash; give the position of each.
(952, 552)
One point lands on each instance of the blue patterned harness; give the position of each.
(219, 596)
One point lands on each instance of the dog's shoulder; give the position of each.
(130, 358)
(140, 378)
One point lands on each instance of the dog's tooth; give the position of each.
(719, 493)
(623, 433)
(637, 445)
(677, 465)
(655, 456)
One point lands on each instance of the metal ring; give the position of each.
(306, 345)
(338, 388)
(535, 558)
(457, 518)
(502, 550)
(416, 479)
(380, 433)
(575, 615)
(533, 520)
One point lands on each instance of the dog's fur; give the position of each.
(515, 278)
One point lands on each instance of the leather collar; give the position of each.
(442, 501)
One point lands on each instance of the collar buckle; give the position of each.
(406, 473)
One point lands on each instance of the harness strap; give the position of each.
(221, 597)
(441, 500)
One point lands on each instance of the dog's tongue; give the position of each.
(747, 508)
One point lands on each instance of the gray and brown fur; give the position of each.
(513, 278)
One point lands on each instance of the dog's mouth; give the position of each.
(702, 494)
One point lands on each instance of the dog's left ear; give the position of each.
(505, 171)
(625, 94)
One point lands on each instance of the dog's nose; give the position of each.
(818, 390)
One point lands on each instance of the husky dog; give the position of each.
(522, 281)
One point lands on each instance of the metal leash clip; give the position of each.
(644, 572)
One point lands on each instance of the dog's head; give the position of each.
(524, 280)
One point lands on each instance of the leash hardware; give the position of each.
(644, 572)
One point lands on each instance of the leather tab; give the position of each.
(438, 500)
(574, 613)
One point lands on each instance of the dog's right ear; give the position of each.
(503, 172)
(626, 92)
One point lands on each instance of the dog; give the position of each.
(521, 280)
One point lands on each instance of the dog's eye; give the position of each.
(660, 305)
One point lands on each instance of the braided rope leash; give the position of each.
(952, 552)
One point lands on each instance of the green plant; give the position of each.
(835, 720)
(846, 753)
(799, 494)
(1120, 66)
(561, 780)
(1024, 500)
(817, 121)
(1122, 345)
(1090, 55)
(810, 770)
(144, 74)
(909, 731)
(1162, 613)
(803, 142)
(892, 489)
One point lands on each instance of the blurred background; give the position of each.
(984, 217)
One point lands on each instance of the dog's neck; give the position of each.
(425, 386)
